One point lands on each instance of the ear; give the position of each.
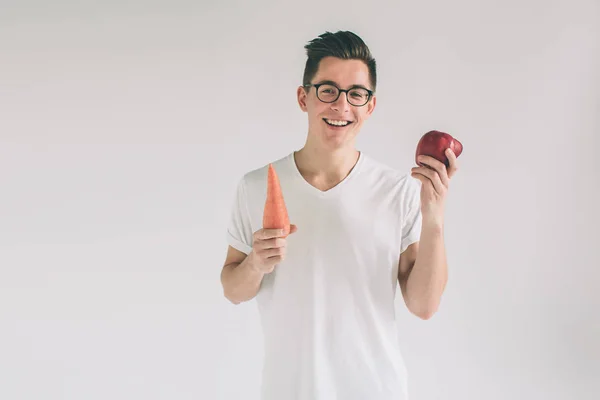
(371, 105)
(301, 94)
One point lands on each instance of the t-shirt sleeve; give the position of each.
(239, 230)
(412, 221)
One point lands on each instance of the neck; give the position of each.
(325, 167)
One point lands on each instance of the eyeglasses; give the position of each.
(329, 93)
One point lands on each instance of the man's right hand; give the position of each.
(268, 249)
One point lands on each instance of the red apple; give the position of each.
(434, 144)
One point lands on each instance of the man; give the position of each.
(326, 292)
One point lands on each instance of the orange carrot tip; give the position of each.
(275, 214)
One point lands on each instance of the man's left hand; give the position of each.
(435, 179)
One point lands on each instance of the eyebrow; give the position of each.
(336, 84)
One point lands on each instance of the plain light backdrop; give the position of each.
(124, 127)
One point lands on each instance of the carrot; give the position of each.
(275, 214)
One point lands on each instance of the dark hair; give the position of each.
(342, 44)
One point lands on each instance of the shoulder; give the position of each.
(388, 177)
(255, 179)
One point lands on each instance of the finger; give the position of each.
(270, 253)
(267, 233)
(438, 166)
(293, 228)
(425, 182)
(452, 161)
(420, 177)
(433, 176)
(272, 243)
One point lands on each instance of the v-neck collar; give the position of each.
(332, 191)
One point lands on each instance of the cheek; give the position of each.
(316, 110)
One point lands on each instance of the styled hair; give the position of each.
(342, 44)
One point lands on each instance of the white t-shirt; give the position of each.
(327, 310)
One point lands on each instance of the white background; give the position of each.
(124, 128)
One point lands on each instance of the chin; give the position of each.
(336, 139)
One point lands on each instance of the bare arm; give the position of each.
(423, 272)
(242, 274)
(240, 279)
(423, 269)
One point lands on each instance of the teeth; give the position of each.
(336, 122)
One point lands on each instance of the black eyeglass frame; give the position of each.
(317, 85)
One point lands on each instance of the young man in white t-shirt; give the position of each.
(360, 229)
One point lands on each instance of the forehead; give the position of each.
(345, 73)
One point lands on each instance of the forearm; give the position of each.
(241, 281)
(427, 279)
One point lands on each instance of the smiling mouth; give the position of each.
(336, 122)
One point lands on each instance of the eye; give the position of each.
(358, 94)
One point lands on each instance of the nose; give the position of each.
(341, 104)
